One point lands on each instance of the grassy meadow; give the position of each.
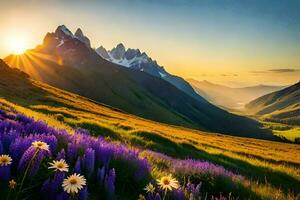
(287, 131)
(271, 169)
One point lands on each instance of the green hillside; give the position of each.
(228, 97)
(282, 106)
(271, 169)
(76, 68)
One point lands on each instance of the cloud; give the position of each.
(228, 74)
(282, 70)
(286, 70)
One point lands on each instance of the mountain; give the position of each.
(228, 97)
(281, 106)
(65, 110)
(135, 59)
(66, 62)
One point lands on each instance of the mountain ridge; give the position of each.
(140, 61)
(281, 106)
(73, 66)
(230, 97)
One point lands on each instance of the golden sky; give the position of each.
(226, 44)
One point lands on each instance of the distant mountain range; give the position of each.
(136, 60)
(281, 106)
(233, 98)
(66, 60)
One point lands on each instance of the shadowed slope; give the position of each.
(260, 160)
(228, 97)
(282, 106)
(65, 62)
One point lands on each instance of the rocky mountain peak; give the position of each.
(80, 36)
(118, 52)
(62, 31)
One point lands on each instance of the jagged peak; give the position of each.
(101, 47)
(79, 33)
(120, 45)
(64, 29)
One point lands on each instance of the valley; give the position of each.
(252, 158)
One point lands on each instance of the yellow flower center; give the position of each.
(73, 181)
(166, 181)
(4, 160)
(60, 165)
(12, 184)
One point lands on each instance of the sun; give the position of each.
(17, 45)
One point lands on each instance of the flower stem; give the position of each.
(26, 172)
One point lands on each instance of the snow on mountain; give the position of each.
(66, 41)
(63, 34)
(80, 36)
(64, 30)
(134, 59)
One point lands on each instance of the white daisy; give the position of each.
(40, 145)
(60, 165)
(168, 183)
(74, 183)
(5, 160)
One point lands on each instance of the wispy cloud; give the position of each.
(228, 74)
(282, 70)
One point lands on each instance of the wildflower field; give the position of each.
(109, 154)
(41, 162)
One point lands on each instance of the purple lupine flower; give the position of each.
(18, 133)
(77, 168)
(5, 172)
(109, 184)
(24, 119)
(157, 197)
(57, 180)
(62, 196)
(89, 161)
(1, 148)
(71, 152)
(83, 194)
(45, 189)
(177, 194)
(61, 155)
(101, 175)
(31, 158)
(38, 127)
(26, 158)
(82, 131)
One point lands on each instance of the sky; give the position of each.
(232, 42)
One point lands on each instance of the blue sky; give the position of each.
(190, 38)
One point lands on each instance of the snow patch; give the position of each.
(162, 74)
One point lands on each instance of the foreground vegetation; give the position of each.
(271, 170)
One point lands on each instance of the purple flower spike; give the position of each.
(83, 194)
(5, 173)
(45, 189)
(1, 148)
(77, 168)
(62, 196)
(32, 158)
(61, 155)
(110, 184)
(101, 175)
(89, 161)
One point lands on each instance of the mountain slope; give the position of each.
(134, 59)
(255, 159)
(66, 62)
(229, 97)
(282, 106)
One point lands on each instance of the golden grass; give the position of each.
(62, 109)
